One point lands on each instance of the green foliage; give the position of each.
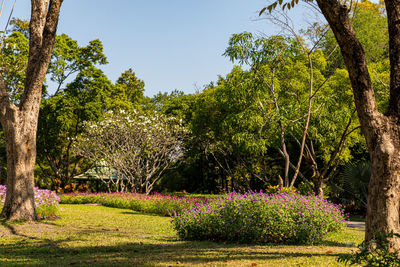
(370, 25)
(276, 189)
(380, 76)
(130, 86)
(229, 129)
(61, 120)
(272, 96)
(355, 179)
(176, 104)
(19, 25)
(68, 58)
(86, 98)
(260, 218)
(376, 252)
(249, 50)
(285, 5)
(305, 190)
(13, 62)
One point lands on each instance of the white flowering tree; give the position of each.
(136, 149)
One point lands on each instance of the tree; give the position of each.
(135, 149)
(62, 114)
(370, 25)
(228, 140)
(381, 130)
(131, 86)
(19, 120)
(62, 118)
(292, 97)
(69, 58)
(14, 60)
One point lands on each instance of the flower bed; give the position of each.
(260, 218)
(156, 203)
(46, 201)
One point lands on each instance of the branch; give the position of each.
(43, 26)
(354, 57)
(5, 102)
(303, 141)
(300, 173)
(393, 14)
(340, 146)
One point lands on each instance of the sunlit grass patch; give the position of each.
(101, 236)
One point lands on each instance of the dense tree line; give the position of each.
(284, 115)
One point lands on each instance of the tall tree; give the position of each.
(296, 92)
(131, 86)
(381, 130)
(19, 120)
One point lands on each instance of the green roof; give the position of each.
(100, 172)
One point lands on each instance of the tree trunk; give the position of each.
(20, 135)
(319, 186)
(384, 189)
(20, 121)
(381, 131)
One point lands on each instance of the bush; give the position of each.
(46, 202)
(156, 203)
(260, 218)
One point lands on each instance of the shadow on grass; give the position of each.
(11, 227)
(34, 251)
(167, 250)
(45, 253)
(329, 243)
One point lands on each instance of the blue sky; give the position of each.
(174, 44)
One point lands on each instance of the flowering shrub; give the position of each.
(134, 149)
(46, 201)
(260, 218)
(156, 203)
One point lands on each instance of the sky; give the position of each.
(170, 44)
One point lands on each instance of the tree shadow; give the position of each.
(46, 253)
(328, 243)
(35, 251)
(144, 251)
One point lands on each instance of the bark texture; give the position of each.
(381, 131)
(19, 121)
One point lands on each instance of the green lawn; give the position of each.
(88, 235)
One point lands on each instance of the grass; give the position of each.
(90, 235)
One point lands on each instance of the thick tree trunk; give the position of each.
(381, 131)
(20, 135)
(384, 188)
(20, 121)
